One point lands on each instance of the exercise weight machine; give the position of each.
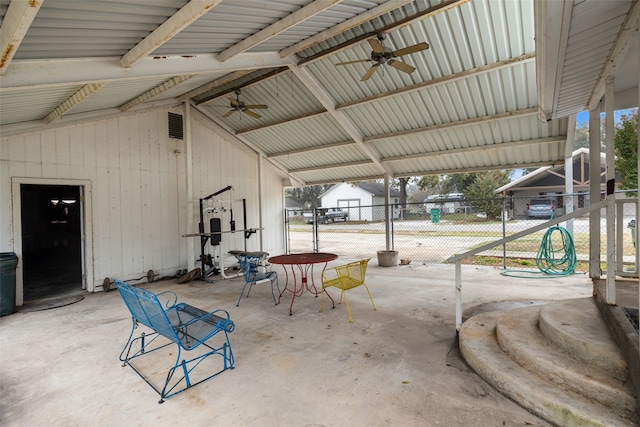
(211, 212)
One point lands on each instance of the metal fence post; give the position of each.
(504, 234)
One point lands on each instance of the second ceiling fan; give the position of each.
(237, 105)
(381, 54)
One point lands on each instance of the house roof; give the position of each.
(536, 174)
(471, 104)
(377, 189)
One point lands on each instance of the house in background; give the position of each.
(364, 201)
(548, 182)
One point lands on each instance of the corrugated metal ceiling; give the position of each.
(470, 104)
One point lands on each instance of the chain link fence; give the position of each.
(431, 232)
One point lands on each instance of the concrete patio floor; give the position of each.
(399, 365)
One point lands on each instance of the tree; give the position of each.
(626, 149)
(481, 193)
(307, 196)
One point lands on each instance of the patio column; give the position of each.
(568, 171)
(188, 159)
(611, 187)
(594, 192)
(387, 216)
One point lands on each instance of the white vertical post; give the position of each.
(387, 216)
(260, 201)
(458, 296)
(594, 192)
(188, 159)
(568, 172)
(610, 192)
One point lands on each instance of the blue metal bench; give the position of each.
(181, 324)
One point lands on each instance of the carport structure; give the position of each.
(86, 86)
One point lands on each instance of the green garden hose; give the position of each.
(558, 260)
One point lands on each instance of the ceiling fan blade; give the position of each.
(376, 45)
(370, 72)
(234, 103)
(401, 66)
(411, 49)
(257, 107)
(252, 114)
(230, 112)
(353, 62)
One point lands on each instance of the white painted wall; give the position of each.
(138, 188)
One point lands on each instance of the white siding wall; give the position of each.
(138, 187)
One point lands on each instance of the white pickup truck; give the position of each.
(326, 214)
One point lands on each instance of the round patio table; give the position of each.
(304, 263)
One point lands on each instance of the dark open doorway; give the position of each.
(51, 240)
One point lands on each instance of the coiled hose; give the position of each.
(558, 260)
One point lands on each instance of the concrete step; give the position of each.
(518, 335)
(480, 348)
(577, 327)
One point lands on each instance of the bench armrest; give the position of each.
(169, 299)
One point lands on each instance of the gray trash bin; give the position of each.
(8, 264)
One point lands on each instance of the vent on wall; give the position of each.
(175, 126)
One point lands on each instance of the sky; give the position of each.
(583, 117)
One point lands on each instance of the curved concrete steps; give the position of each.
(509, 351)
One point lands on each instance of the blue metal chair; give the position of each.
(254, 272)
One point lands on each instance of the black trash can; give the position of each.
(8, 264)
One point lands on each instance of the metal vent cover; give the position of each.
(176, 129)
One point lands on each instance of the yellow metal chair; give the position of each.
(345, 277)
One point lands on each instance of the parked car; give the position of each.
(326, 214)
(541, 208)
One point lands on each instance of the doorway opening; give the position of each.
(51, 220)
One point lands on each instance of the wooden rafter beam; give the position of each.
(442, 7)
(468, 122)
(331, 146)
(500, 146)
(214, 84)
(249, 83)
(167, 30)
(441, 80)
(282, 122)
(333, 166)
(75, 99)
(344, 26)
(15, 24)
(617, 54)
(154, 92)
(276, 28)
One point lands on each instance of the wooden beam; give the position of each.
(72, 101)
(249, 83)
(338, 181)
(617, 54)
(154, 92)
(529, 57)
(167, 30)
(442, 7)
(467, 122)
(281, 122)
(15, 24)
(500, 146)
(62, 72)
(333, 166)
(214, 84)
(316, 89)
(309, 150)
(344, 26)
(278, 27)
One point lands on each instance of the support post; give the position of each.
(387, 216)
(568, 172)
(594, 192)
(458, 296)
(188, 159)
(610, 194)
